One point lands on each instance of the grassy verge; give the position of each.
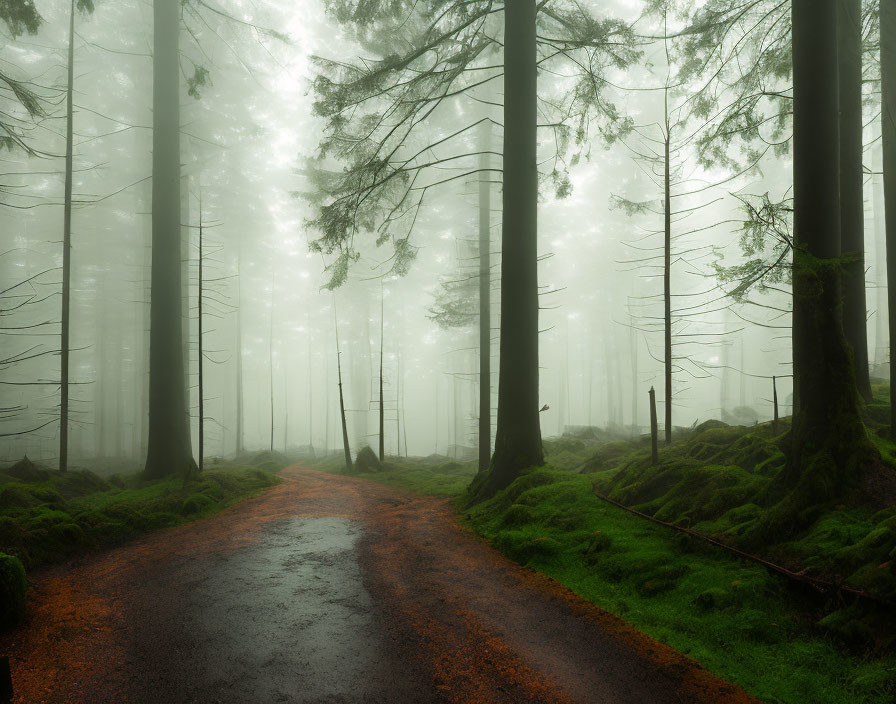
(735, 618)
(433, 476)
(46, 516)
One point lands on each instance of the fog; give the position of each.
(251, 186)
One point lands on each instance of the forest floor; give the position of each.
(330, 589)
(777, 638)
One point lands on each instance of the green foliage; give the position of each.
(766, 242)
(199, 80)
(737, 619)
(13, 587)
(49, 516)
(737, 60)
(383, 112)
(20, 16)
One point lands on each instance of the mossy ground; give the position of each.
(13, 588)
(778, 641)
(432, 476)
(46, 516)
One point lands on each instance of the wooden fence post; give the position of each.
(654, 452)
(775, 399)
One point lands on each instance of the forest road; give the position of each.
(330, 589)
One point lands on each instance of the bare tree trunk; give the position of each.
(201, 349)
(888, 130)
(382, 348)
(852, 197)
(654, 433)
(485, 302)
(667, 266)
(633, 351)
(271, 360)
(310, 389)
(169, 449)
(345, 445)
(878, 205)
(775, 402)
(239, 354)
(67, 248)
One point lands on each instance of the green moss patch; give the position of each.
(13, 587)
(59, 515)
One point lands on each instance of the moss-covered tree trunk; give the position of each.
(518, 434)
(888, 132)
(828, 442)
(170, 450)
(852, 200)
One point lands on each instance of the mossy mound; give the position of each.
(77, 511)
(25, 470)
(367, 461)
(13, 588)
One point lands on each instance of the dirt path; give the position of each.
(330, 589)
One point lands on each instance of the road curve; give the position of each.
(330, 589)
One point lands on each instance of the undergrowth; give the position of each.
(432, 476)
(47, 516)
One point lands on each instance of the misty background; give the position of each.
(269, 320)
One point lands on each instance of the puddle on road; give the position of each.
(287, 618)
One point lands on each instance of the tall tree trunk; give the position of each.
(888, 130)
(310, 388)
(485, 301)
(239, 356)
(828, 438)
(852, 198)
(382, 348)
(271, 361)
(633, 351)
(345, 445)
(169, 426)
(667, 291)
(67, 248)
(200, 349)
(878, 206)
(667, 240)
(518, 440)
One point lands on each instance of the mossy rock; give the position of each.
(518, 515)
(80, 483)
(13, 588)
(523, 548)
(533, 479)
(711, 424)
(16, 496)
(68, 536)
(567, 521)
(117, 481)
(197, 503)
(367, 461)
(25, 470)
